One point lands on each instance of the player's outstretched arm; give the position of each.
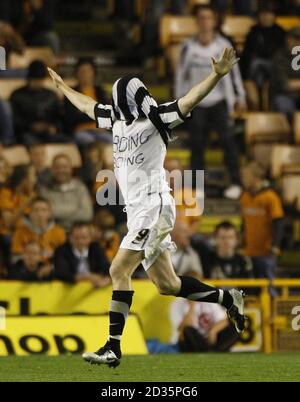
(84, 103)
(220, 68)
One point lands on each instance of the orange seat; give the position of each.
(30, 54)
(16, 155)
(237, 27)
(266, 127)
(68, 149)
(288, 23)
(9, 85)
(285, 159)
(290, 188)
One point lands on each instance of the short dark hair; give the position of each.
(61, 155)
(200, 7)
(226, 225)
(85, 60)
(267, 7)
(37, 70)
(19, 174)
(80, 225)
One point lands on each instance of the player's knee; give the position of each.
(118, 273)
(167, 287)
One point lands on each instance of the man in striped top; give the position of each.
(141, 132)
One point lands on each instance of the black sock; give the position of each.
(193, 289)
(118, 313)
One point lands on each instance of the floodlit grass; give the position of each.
(191, 368)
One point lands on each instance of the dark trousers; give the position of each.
(194, 342)
(214, 118)
(265, 268)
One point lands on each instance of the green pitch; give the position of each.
(204, 367)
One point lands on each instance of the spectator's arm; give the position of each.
(220, 68)
(84, 103)
(181, 73)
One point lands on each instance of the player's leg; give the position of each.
(162, 274)
(123, 266)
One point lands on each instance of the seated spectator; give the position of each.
(36, 109)
(223, 261)
(17, 195)
(81, 259)
(285, 80)
(31, 267)
(262, 42)
(68, 196)
(185, 259)
(106, 234)
(37, 24)
(10, 39)
(263, 223)
(79, 124)
(40, 228)
(201, 327)
(188, 208)
(37, 154)
(95, 160)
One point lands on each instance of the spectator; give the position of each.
(37, 154)
(95, 160)
(10, 39)
(285, 80)
(214, 112)
(185, 259)
(40, 228)
(36, 109)
(188, 208)
(262, 42)
(106, 234)
(201, 327)
(77, 123)
(31, 267)
(16, 197)
(263, 224)
(69, 197)
(81, 259)
(223, 261)
(37, 24)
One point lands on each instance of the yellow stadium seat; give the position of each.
(237, 27)
(30, 54)
(68, 149)
(16, 155)
(288, 23)
(175, 29)
(9, 85)
(285, 160)
(291, 190)
(266, 127)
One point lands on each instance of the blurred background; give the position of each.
(245, 135)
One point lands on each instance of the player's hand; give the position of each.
(55, 77)
(227, 61)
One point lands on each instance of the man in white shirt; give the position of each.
(213, 114)
(141, 132)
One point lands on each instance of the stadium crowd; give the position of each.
(51, 226)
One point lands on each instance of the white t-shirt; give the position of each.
(139, 151)
(205, 317)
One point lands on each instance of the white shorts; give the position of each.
(150, 222)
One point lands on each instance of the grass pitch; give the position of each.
(279, 367)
